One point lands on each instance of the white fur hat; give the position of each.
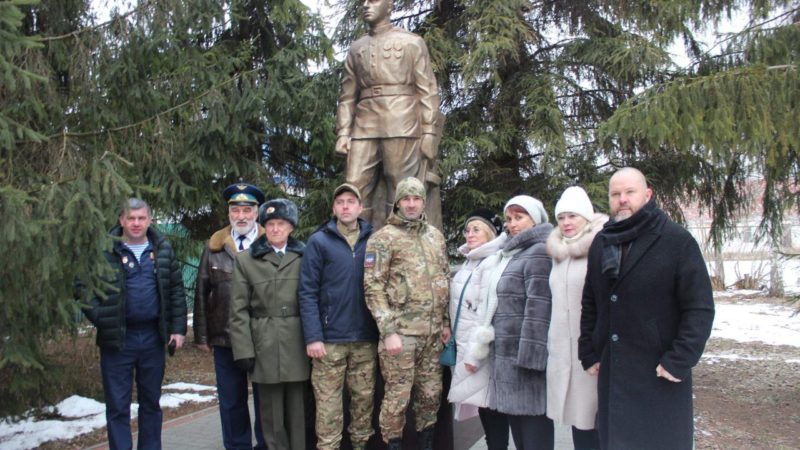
(534, 207)
(575, 200)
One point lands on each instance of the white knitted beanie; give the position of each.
(575, 200)
(534, 207)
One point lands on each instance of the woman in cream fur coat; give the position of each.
(571, 392)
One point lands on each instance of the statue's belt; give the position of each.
(386, 89)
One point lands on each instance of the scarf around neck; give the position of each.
(616, 233)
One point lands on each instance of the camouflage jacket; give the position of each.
(406, 278)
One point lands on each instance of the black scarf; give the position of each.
(616, 233)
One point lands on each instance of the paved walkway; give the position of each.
(201, 431)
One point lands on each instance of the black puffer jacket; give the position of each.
(108, 315)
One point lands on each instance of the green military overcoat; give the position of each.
(265, 316)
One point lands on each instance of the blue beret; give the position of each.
(243, 193)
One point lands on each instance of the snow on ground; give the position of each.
(737, 293)
(78, 415)
(749, 322)
(188, 387)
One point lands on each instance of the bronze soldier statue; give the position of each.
(388, 121)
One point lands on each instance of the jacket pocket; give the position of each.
(398, 295)
(220, 274)
(653, 336)
(258, 332)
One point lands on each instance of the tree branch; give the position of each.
(143, 6)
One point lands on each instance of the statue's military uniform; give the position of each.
(389, 99)
(406, 287)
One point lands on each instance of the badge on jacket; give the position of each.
(369, 260)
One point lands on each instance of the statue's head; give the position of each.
(376, 11)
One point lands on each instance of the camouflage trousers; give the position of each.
(417, 366)
(354, 362)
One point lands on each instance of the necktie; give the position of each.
(280, 254)
(241, 242)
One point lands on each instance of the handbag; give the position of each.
(448, 355)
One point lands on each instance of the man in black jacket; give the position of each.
(647, 312)
(210, 321)
(339, 331)
(144, 311)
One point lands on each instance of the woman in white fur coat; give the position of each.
(470, 389)
(571, 392)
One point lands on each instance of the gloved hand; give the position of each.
(247, 364)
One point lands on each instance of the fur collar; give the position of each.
(528, 237)
(223, 238)
(560, 248)
(261, 247)
(486, 249)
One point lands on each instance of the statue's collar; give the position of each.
(380, 28)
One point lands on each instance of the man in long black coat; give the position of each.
(647, 313)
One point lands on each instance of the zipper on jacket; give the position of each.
(418, 241)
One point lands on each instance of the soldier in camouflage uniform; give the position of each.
(340, 334)
(406, 288)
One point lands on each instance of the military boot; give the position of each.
(426, 439)
(395, 444)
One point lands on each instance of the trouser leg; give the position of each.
(401, 159)
(116, 368)
(495, 427)
(295, 414)
(427, 381)
(272, 416)
(585, 439)
(232, 394)
(361, 171)
(150, 367)
(361, 366)
(532, 432)
(258, 430)
(327, 380)
(398, 375)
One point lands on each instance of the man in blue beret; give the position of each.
(211, 305)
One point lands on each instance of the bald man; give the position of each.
(647, 312)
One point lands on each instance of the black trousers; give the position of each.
(495, 427)
(585, 439)
(532, 432)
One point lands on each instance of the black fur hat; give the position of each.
(279, 208)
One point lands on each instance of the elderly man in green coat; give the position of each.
(265, 328)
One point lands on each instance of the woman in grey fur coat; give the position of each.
(516, 319)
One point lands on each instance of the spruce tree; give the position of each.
(170, 101)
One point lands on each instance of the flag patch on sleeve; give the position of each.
(369, 260)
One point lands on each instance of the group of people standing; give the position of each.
(334, 311)
(519, 296)
(595, 323)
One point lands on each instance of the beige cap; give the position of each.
(347, 187)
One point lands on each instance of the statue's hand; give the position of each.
(342, 145)
(427, 147)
